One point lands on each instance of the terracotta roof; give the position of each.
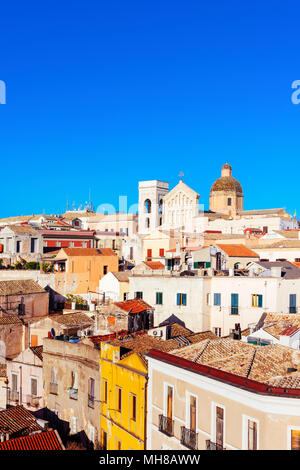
(88, 252)
(10, 320)
(154, 264)
(72, 319)
(17, 419)
(143, 343)
(19, 287)
(238, 251)
(47, 440)
(38, 351)
(275, 324)
(258, 363)
(22, 229)
(133, 306)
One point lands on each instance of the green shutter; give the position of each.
(260, 300)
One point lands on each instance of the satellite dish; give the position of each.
(52, 332)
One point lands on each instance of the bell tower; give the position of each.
(151, 194)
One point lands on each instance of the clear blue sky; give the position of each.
(102, 94)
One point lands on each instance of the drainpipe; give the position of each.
(20, 367)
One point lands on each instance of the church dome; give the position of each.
(227, 183)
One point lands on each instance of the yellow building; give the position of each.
(123, 399)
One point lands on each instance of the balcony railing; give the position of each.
(14, 395)
(189, 438)
(166, 425)
(73, 393)
(91, 401)
(53, 388)
(213, 445)
(32, 400)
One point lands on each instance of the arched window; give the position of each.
(160, 204)
(148, 206)
(147, 222)
(236, 266)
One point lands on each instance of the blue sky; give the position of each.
(102, 94)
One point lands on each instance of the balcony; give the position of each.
(73, 393)
(53, 388)
(189, 438)
(14, 396)
(166, 425)
(91, 401)
(32, 400)
(213, 446)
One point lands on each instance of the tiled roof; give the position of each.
(24, 286)
(71, 319)
(133, 306)
(46, 440)
(290, 331)
(10, 320)
(122, 276)
(154, 264)
(18, 419)
(88, 252)
(275, 324)
(22, 229)
(258, 363)
(143, 343)
(239, 251)
(38, 351)
(288, 270)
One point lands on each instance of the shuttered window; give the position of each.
(217, 299)
(181, 299)
(159, 298)
(252, 435)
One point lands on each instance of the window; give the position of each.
(125, 296)
(295, 439)
(71, 244)
(161, 252)
(74, 386)
(118, 444)
(217, 299)
(84, 244)
(252, 435)
(58, 244)
(217, 332)
(21, 308)
(18, 246)
(104, 440)
(133, 407)
(234, 304)
(92, 434)
(193, 413)
(149, 255)
(219, 427)
(73, 425)
(139, 295)
(181, 299)
(297, 260)
(229, 201)
(105, 269)
(91, 393)
(118, 399)
(257, 300)
(104, 391)
(147, 206)
(33, 245)
(147, 222)
(159, 298)
(292, 307)
(170, 402)
(34, 386)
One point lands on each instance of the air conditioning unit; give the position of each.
(157, 333)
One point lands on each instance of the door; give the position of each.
(218, 261)
(193, 414)
(170, 409)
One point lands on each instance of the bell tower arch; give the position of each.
(151, 194)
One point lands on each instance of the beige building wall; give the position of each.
(275, 416)
(64, 358)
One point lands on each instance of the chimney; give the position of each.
(276, 271)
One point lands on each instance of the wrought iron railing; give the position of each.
(32, 400)
(189, 438)
(91, 401)
(213, 445)
(166, 425)
(73, 393)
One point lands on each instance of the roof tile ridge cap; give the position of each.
(202, 351)
(251, 363)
